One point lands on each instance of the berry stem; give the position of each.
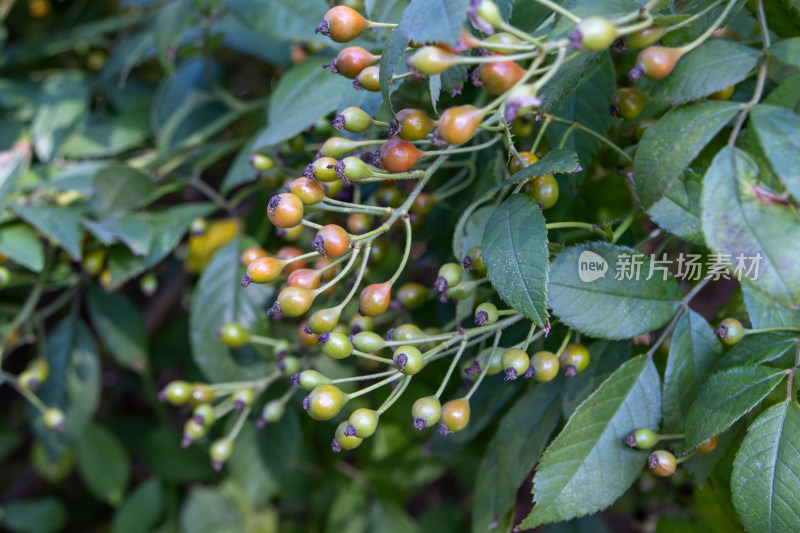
(360, 274)
(540, 135)
(27, 394)
(624, 225)
(452, 367)
(463, 150)
(365, 355)
(647, 22)
(774, 328)
(552, 6)
(691, 19)
(564, 343)
(672, 436)
(341, 274)
(406, 252)
(474, 60)
(578, 225)
(596, 135)
(365, 377)
(266, 341)
(310, 224)
(395, 395)
(682, 458)
(529, 338)
(638, 13)
(377, 385)
(381, 24)
(239, 423)
(338, 203)
(513, 30)
(717, 23)
(374, 233)
(485, 367)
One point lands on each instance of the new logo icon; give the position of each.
(591, 266)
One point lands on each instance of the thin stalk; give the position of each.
(452, 367)
(485, 368)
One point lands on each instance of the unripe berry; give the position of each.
(408, 359)
(324, 402)
(412, 295)
(528, 159)
(220, 451)
(414, 124)
(515, 362)
(407, 332)
(503, 38)
(593, 34)
(308, 190)
(499, 76)
(485, 314)
(251, 254)
(233, 335)
(289, 255)
(627, 102)
(426, 412)
(263, 270)
(450, 275)
(92, 264)
(331, 241)
(495, 361)
(458, 124)
(655, 62)
(352, 60)
(662, 463)
(204, 415)
(722, 94)
(398, 155)
(489, 12)
(28, 380)
(273, 411)
(645, 37)
(368, 341)
(730, 331)
(455, 415)
(641, 439)
(364, 422)
(261, 162)
(374, 299)
(177, 392)
(324, 320)
(288, 366)
(336, 345)
(430, 60)
(323, 169)
(353, 119)
(544, 190)
(708, 445)
(337, 147)
(308, 340)
(462, 291)
(304, 277)
(358, 223)
(54, 418)
(544, 366)
(294, 301)
(473, 262)
(342, 24)
(343, 441)
(369, 79)
(243, 398)
(574, 359)
(310, 379)
(361, 323)
(285, 210)
(201, 395)
(423, 204)
(193, 431)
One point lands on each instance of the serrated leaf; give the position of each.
(434, 21)
(693, 351)
(305, 93)
(759, 348)
(103, 463)
(516, 256)
(725, 398)
(679, 210)
(766, 470)
(701, 465)
(554, 162)
(62, 224)
(133, 231)
(606, 357)
(736, 222)
(778, 132)
(712, 66)
(669, 145)
(390, 58)
(764, 312)
(119, 188)
(142, 509)
(282, 19)
(120, 326)
(63, 100)
(586, 468)
(786, 51)
(606, 307)
(20, 243)
(12, 165)
(219, 299)
(520, 439)
(566, 80)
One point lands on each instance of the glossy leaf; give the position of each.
(679, 211)
(391, 56)
(63, 100)
(725, 398)
(778, 132)
(712, 66)
(515, 448)
(104, 464)
(693, 351)
(304, 94)
(764, 312)
(766, 470)
(219, 299)
(120, 188)
(434, 20)
(759, 348)
(120, 326)
(786, 95)
(669, 145)
(20, 243)
(606, 307)
(133, 231)
(142, 509)
(282, 19)
(586, 468)
(62, 224)
(566, 80)
(553, 162)
(516, 256)
(605, 358)
(786, 51)
(736, 222)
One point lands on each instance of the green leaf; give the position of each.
(606, 357)
(20, 243)
(220, 299)
(142, 509)
(783, 17)
(209, 510)
(63, 100)
(119, 188)
(566, 80)
(766, 470)
(778, 132)
(161, 450)
(169, 24)
(120, 326)
(554, 162)
(12, 166)
(282, 19)
(432, 21)
(759, 348)
(240, 171)
(73, 385)
(712, 66)
(106, 135)
(305, 93)
(669, 145)
(725, 398)
(391, 56)
(62, 224)
(786, 51)
(679, 211)
(701, 465)
(786, 94)
(44, 515)
(736, 222)
(606, 307)
(520, 439)
(134, 231)
(516, 256)
(586, 468)
(764, 312)
(471, 232)
(249, 470)
(103, 463)
(693, 351)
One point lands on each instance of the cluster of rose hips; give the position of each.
(663, 463)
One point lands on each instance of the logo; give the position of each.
(591, 266)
